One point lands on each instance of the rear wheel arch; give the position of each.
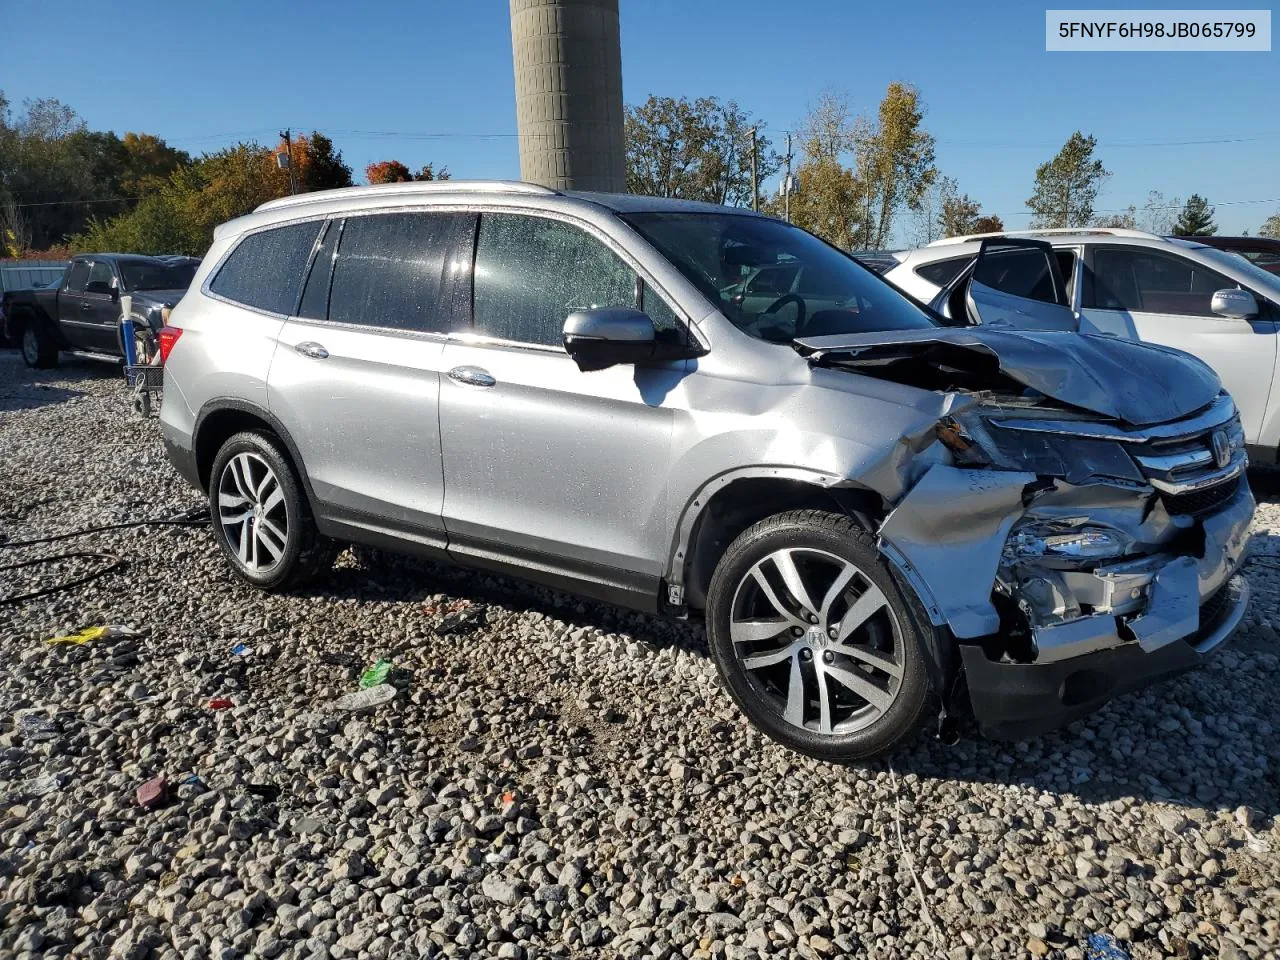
(220, 420)
(731, 503)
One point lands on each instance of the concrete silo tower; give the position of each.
(568, 61)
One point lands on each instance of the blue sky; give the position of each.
(432, 82)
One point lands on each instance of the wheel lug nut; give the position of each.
(797, 632)
(806, 654)
(812, 618)
(828, 657)
(833, 633)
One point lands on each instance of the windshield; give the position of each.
(774, 281)
(1269, 282)
(154, 275)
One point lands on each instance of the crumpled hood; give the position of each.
(1139, 383)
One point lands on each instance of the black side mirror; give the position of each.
(606, 336)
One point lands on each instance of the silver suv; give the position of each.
(699, 411)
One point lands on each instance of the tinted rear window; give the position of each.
(266, 270)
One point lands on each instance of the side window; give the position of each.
(79, 276)
(265, 270)
(389, 270)
(532, 272)
(943, 271)
(1066, 266)
(663, 317)
(315, 297)
(1017, 272)
(1136, 280)
(100, 276)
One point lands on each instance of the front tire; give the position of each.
(39, 350)
(261, 518)
(814, 639)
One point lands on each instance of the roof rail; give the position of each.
(409, 189)
(1052, 231)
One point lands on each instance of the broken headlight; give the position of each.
(1056, 540)
(1078, 460)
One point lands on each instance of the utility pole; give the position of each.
(288, 159)
(755, 179)
(786, 185)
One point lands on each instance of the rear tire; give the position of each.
(815, 640)
(39, 349)
(261, 518)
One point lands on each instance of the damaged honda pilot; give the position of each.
(705, 412)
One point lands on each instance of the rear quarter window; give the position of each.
(942, 272)
(265, 271)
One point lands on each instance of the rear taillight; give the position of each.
(168, 337)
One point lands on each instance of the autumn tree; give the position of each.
(1126, 219)
(895, 162)
(1158, 215)
(827, 199)
(323, 168)
(1067, 186)
(1196, 219)
(1271, 227)
(148, 163)
(393, 171)
(991, 223)
(695, 150)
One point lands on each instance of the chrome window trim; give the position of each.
(430, 335)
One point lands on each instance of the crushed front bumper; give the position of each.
(1016, 700)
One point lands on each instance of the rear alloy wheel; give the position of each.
(260, 516)
(38, 349)
(814, 639)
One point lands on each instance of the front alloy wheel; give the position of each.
(814, 638)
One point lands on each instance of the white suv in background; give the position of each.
(1213, 304)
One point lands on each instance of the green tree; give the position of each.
(323, 169)
(1271, 227)
(1067, 185)
(1196, 219)
(148, 162)
(695, 150)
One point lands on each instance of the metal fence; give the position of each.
(24, 274)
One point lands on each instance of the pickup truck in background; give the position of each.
(81, 313)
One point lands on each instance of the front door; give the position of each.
(356, 374)
(1017, 283)
(1158, 297)
(559, 471)
(73, 309)
(100, 308)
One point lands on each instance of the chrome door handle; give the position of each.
(309, 348)
(473, 376)
(84, 306)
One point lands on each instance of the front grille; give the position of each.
(1205, 500)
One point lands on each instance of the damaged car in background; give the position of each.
(712, 414)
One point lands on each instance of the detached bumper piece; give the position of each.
(1018, 700)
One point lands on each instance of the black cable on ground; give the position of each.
(196, 517)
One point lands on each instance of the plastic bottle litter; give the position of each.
(153, 793)
(366, 699)
(102, 632)
(375, 675)
(1103, 946)
(241, 650)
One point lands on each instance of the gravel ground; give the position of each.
(554, 778)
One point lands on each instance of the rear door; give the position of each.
(1018, 283)
(1159, 297)
(356, 373)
